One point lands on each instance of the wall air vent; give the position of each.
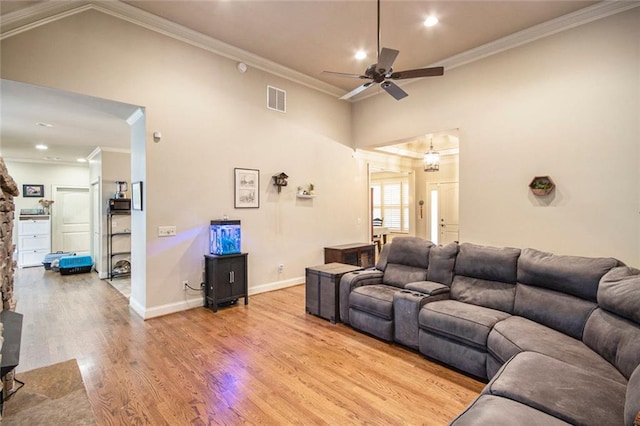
(276, 99)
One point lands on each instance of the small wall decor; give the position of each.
(280, 181)
(247, 188)
(136, 195)
(35, 191)
(542, 185)
(306, 191)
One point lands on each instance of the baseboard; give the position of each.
(263, 288)
(171, 308)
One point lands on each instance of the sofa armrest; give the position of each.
(429, 288)
(352, 280)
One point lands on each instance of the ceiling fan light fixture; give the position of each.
(431, 21)
(431, 159)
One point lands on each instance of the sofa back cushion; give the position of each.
(410, 251)
(442, 259)
(619, 292)
(485, 276)
(399, 275)
(614, 338)
(563, 312)
(407, 261)
(575, 275)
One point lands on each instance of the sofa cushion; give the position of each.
(517, 334)
(560, 389)
(442, 260)
(398, 275)
(578, 276)
(619, 292)
(497, 411)
(632, 400)
(462, 322)
(616, 339)
(374, 299)
(554, 309)
(490, 294)
(487, 263)
(410, 251)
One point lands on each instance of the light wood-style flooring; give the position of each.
(265, 363)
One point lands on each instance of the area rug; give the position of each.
(52, 395)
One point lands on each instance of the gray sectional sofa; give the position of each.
(557, 337)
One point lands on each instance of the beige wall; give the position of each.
(565, 106)
(212, 119)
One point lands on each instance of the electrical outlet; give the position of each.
(185, 285)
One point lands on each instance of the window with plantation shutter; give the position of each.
(391, 203)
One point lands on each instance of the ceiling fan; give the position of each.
(381, 72)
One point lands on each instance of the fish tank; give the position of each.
(224, 237)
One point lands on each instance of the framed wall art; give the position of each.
(136, 195)
(35, 191)
(247, 188)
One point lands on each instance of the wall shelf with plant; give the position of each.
(542, 185)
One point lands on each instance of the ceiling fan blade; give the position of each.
(343, 74)
(357, 90)
(420, 72)
(394, 90)
(386, 59)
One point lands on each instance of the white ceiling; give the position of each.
(307, 36)
(79, 123)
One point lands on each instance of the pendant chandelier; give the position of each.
(431, 159)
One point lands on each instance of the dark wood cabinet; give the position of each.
(322, 289)
(358, 254)
(226, 279)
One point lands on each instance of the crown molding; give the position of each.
(50, 11)
(46, 12)
(562, 23)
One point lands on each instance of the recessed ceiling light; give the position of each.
(430, 21)
(41, 146)
(360, 55)
(42, 124)
(81, 160)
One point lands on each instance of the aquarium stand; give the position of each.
(226, 280)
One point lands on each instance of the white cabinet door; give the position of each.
(34, 240)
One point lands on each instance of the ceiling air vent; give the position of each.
(276, 99)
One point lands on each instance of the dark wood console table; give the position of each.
(357, 254)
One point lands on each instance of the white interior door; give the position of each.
(71, 220)
(444, 223)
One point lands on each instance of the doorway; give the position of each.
(71, 222)
(444, 223)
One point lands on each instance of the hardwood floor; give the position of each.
(265, 363)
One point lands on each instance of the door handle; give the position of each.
(232, 277)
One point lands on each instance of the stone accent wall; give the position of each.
(8, 190)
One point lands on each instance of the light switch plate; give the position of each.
(166, 231)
